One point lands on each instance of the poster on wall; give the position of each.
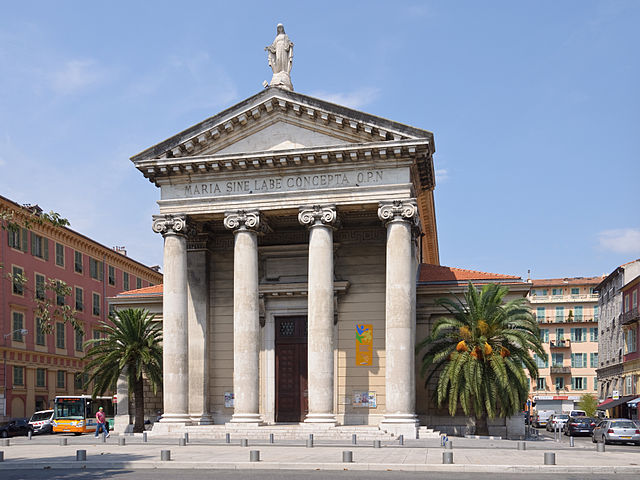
(228, 399)
(365, 400)
(364, 345)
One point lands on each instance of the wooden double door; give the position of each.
(292, 403)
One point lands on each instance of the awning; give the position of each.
(610, 403)
(634, 402)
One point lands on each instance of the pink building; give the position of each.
(37, 366)
(631, 328)
(567, 312)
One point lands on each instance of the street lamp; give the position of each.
(22, 331)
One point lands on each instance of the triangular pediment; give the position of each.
(277, 119)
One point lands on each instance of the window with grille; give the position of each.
(60, 379)
(59, 254)
(18, 376)
(59, 335)
(77, 262)
(41, 375)
(18, 326)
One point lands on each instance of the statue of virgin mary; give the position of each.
(280, 59)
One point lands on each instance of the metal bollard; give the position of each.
(227, 438)
(549, 458)
(186, 437)
(522, 445)
(401, 440)
(121, 441)
(182, 442)
(376, 444)
(447, 458)
(271, 439)
(347, 456)
(448, 445)
(144, 437)
(600, 447)
(244, 442)
(571, 442)
(165, 455)
(62, 442)
(29, 434)
(6, 442)
(81, 455)
(254, 456)
(354, 439)
(1, 456)
(310, 441)
(104, 438)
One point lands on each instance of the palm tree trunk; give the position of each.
(482, 428)
(138, 394)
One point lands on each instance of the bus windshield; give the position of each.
(69, 408)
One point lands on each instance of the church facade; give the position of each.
(293, 229)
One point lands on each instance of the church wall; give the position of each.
(221, 328)
(363, 265)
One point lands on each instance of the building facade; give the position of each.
(38, 366)
(567, 312)
(631, 334)
(611, 339)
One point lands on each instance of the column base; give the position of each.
(328, 419)
(252, 418)
(175, 418)
(401, 424)
(122, 424)
(201, 419)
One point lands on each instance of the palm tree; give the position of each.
(479, 353)
(133, 346)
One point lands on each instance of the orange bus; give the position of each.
(77, 413)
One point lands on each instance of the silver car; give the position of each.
(616, 430)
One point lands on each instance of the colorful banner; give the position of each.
(364, 345)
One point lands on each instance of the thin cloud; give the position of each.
(622, 240)
(357, 99)
(442, 175)
(76, 75)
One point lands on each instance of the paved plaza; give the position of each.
(470, 455)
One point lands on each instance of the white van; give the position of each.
(42, 421)
(541, 417)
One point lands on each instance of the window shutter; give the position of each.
(46, 248)
(573, 360)
(25, 240)
(573, 334)
(573, 383)
(101, 271)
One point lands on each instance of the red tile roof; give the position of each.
(440, 274)
(152, 290)
(551, 282)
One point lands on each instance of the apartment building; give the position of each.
(611, 341)
(38, 366)
(631, 334)
(567, 312)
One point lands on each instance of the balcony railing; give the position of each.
(560, 343)
(631, 316)
(566, 319)
(558, 369)
(587, 297)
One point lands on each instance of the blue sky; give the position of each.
(535, 108)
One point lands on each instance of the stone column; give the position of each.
(198, 315)
(320, 220)
(246, 316)
(174, 319)
(400, 218)
(122, 421)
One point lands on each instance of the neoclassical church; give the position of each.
(294, 233)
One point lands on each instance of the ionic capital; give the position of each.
(398, 211)
(244, 220)
(318, 215)
(169, 224)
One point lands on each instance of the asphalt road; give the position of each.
(284, 475)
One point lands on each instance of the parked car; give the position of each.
(541, 417)
(15, 427)
(557, 420)
(616, 430)
(41, 421)
(579, 426)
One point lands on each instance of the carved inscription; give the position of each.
(352, 178)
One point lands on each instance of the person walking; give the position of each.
(101, 421)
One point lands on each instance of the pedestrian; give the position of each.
(101, 421)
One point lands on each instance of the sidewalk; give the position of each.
(469, 455)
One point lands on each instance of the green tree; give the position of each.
(132, 346)
(478, 354)
(588, 403)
